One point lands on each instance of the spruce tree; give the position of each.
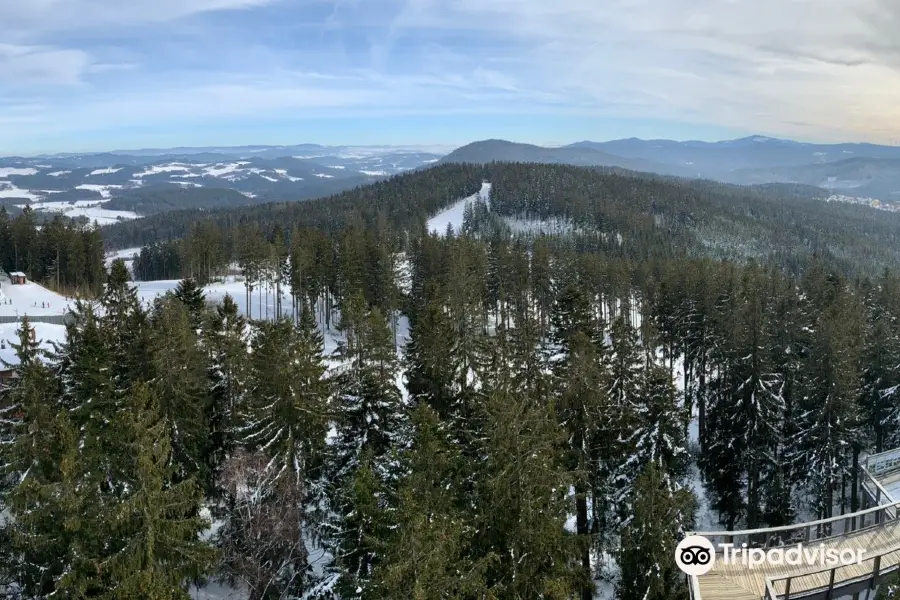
(427, 553)
(427, 355)
(521, 501)
(157, 519)
(273, 482)
(226, 342)
(179, 381)
(371, 425)
(662, 514)
(124, 322)
(191, 295)
(659, 437)
(285, 409)
(829, 417)
(37, 443)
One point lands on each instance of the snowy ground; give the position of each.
(260, 306)
(453, 215)
(127, 255)
(92, 209)
(33, 300)
(30, 299)
(8, 190)
(45, 333)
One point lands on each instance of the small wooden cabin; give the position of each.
(7, 376)
(17, 278)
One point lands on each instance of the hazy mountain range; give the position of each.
(70, 183)
(854, 169)
(131, 181)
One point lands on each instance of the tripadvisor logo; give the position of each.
(696, 555)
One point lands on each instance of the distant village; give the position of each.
(873, 202)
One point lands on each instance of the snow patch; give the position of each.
(7, 171)
(284, 173)
(103, 189)
(8, 190)
(168, 168)
(106, 171)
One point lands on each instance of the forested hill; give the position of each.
(405, 200)
(654, 215)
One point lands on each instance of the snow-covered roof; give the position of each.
(17, 274)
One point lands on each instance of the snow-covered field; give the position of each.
(174, 167)
(8, 190)
(91, 209)
(45, 333)
(104, 190)
(127, 255)
(7, 171)
(33, 300)
(106, 171)
(453, 215)
(30, 299)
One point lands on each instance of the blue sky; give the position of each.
(82, 75)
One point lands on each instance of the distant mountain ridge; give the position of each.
(259, 173)
(858, 169)
(262, 173)
(574, 154)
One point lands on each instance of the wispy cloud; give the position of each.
(828, 69)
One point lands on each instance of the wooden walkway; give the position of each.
(739, 582)
(874, 530)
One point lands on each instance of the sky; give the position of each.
(92, 75)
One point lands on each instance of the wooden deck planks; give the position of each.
(738, 582)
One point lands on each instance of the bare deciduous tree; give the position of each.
(262, 542)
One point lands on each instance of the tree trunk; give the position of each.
(854, 489)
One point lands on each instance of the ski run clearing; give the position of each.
(453, 215)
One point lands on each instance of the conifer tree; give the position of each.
(35, 445)
(427, 554)
(582, 406)
(829, 419)
(48, 512)
(179, 381)
(521, 501)
(124, 322)
(157, 519)
(371, 424)
(191, 295)
(427, 355)
(272, 480)
(285, 409)
(226, 343)
(661, 422)
(370, 415)
(662, 514)
(12, 397)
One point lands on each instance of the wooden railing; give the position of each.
(878, 566)
(694, 587)
(810, 583)
(789, 535)
(880, 494)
